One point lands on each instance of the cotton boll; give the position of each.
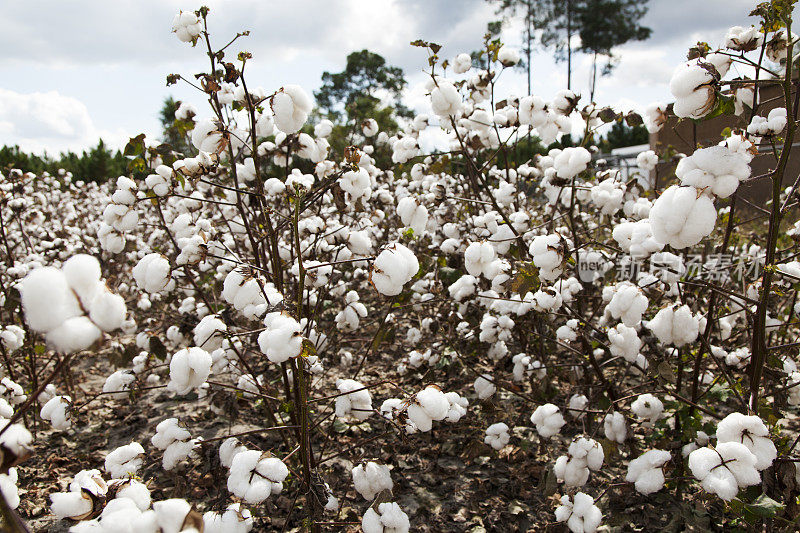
(497, 436)
(627, 303)
(291, 107)
(445, 100)
(608, 195)
(47, 299)
(614, 427)
(107, 310)
(228, 450)
(462, 63)
(125, 460)
(70, 504)
(12, 337)
(395, 266)
(693, 84)
(646, 471)
(458, 407)
(152, 273)
(389, 518)
(73, 335)
(171, 514)
(254, 476)
(371, 478)
(357, 184)
(82, 273)
(188, 370)
(233, 520)
(725, 469)
(716, 170)
(571, 161)
(209, 333)
(477, 258)
(282, 339)
(743, 39)
(773, 124)
(675, 325)
(682, 217)
(647, 407)
(548, 255)
(484, 386)
(355, 400)
(412, 214)
(583, 455)
(624, 342)
(207, 137)
(8, 488)
(581, 516)
(753, 433)
(118, 384)
(463, 287)
(187, 26)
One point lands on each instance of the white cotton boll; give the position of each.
(628, 303)
(608, 195)
(323, 128)
(395, 266)
(228, 450)
(581, 516)
(17, 439)
(461, 63)
(647, 160)
(484, 386)
(47, 299)
(477, 258)
(548, 255)
(508, 56)
(171, 514)
(773, 124)
(233, 520)
(577, 405)
(186, 26)
(107, 310)
(188, 370)
(497, 435)
(371, 478)
(646, 471)
(118, 384)
(254, 477)
(445, 100)
(209, 333)
(207, 137)
(291, 107)
(463, 287)
(571, 161)
(412, 214)
(624, 342)
(614, 427)
(125, 460)
(283, 338)
(675, 325)
(648, 408)
(548, 420)
(357, 184)
(724, 469)
(583, 455)
(433, 402)
(83, 274)
(682, 217)
(743, 39)
(9, 489)
(389, 518)
(355, 400)
(57, 412)
(70, 504)
(716, 170)
(753, 433)
(73, 335)
(636, 238)
(152, 273)
(693, 86)
(12, 337)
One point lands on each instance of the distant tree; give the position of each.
(621, 135)
(354, 94)
(174, 132)
(606, 24)
(479, 59)
(98, 164)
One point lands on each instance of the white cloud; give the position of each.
(49, 121)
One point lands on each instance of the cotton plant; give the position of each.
(646, 471)
(583, 455)
(497, 435)
(580, 513)
(371, 478)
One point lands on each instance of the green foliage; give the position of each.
(621, 135)
(174, 132)
(98, 164)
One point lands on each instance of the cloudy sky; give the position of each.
(80, 70)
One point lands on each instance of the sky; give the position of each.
(77, 71)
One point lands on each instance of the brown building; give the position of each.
(685, 135)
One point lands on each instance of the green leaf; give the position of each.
(764, 507)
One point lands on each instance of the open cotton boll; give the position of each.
(70, 505)
(371, 478)
(548, 255)
(73, 335)
(412, 214)
(624, 342)
(168, 431)
(743, 39)
(188, 369)
(548, 420)
(608, 195)
(57, 412)
(389, 518)
(254, 476)
(628, 303)
(484, 386)
(581, 516)
(458, 406)
(355, 401)
(716, 170)
(47, 299)
(187, 26)
(233, 520)
(125, 461)
(682, 217)
(83, 274)
(17, 440)
(614, 427)
(463, 287)
(577, 405)
(209, 333)
(675, 325)
(152, 273)
(772, 124)
(647, 160)
(753, 433)
(283, 338)
(12, 337)
(445, 100)
(724, 469)
(428, 405)
(171, 514)
(207, 137)
(9, 489)
(497, 436)
(461, 63)
(357, 184)
(647, 407)
(646, 471)
(291, 107)
(107, 310)
(118, 384)
(693, 85)
(571, 162)
(636, 238)
(395, 266)
(228, 450)
(583, 455)
(477, 258)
